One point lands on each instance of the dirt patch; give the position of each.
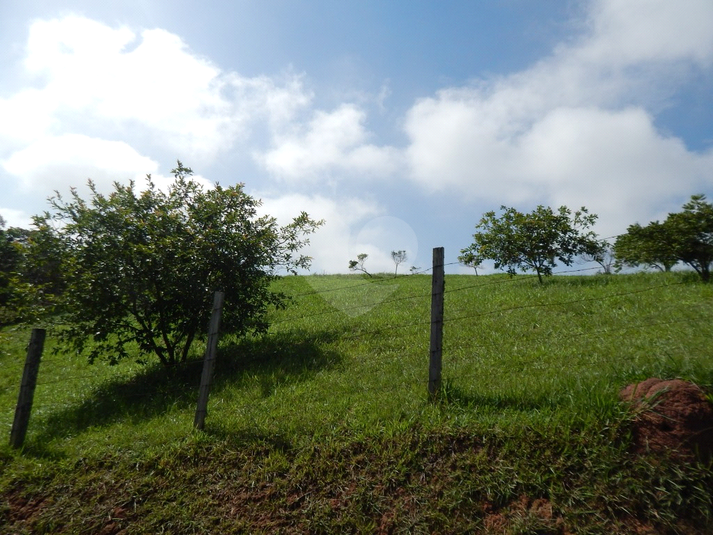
(671, 416)
(524, 515)
(24, 509)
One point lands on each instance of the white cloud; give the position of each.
(331, 143)
(147, 86)
(56, 163)
(333, 245)
(575, 127)
(24, 118)
(334, 142)
(15, 218)
(626, 33)
(614, 162)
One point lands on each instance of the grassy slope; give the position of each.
(325, 426)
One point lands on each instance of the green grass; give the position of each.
(324, 425)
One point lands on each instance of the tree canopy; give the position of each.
(649, 246)
(399, 257)
(685, 236)
(10, 258)
(141, 268)
(358, 264)
(534, 241)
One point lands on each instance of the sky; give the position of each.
(400, 123)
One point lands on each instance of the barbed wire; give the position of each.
(367, 282)
(558, 303)
(396, 330)
(639, 325)
(341, 310)
(338, 310)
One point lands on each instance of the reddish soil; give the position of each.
(537, 513)
(671, 417)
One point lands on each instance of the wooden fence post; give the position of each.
(437, 289)
(209, 361)
(27, 388)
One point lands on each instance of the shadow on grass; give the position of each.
(453, 395)
(271, 360)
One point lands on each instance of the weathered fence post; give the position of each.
(209, 360)
(437, 289)
(27, 388)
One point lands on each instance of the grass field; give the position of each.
(325, 426)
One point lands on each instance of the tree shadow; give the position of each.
(274, 360)
(271, 359)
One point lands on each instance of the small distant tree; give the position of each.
(141, 268)
(604, 256)
(399, 257)
(470, 259)
(414, 270)
(534, 241)
(358, 264)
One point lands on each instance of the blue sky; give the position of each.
(398, 122)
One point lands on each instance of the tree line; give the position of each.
(538, 240)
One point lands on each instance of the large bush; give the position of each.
(142, 267)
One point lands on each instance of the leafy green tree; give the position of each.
(358, 264)
(10, 258)
(399, 257)
(691, 232)
(685, 236)
(44, 253)
(534, 241)
(650, 246)
(141, 268)
(30, 273)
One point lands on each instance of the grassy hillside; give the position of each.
(325, 425)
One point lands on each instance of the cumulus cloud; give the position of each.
(15, 218)
(54, 163)
(334, 244)
(98, 92)
(626, 33)
(577, 126)
(106, 74)
(332, 142)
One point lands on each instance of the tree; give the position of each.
(533, 241)
(470, 259)
(398, 257)
(142, 268)
(650, 246)
(691, 232)
(10, 260)
(685, 236)
(358, 264)
(604, 256)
